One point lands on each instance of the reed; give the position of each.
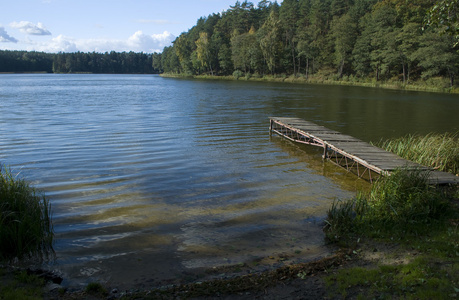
(405, 198)
(439, 151)
(26, 228)
(397, 204)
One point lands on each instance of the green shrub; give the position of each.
(25, 219)
(238, 74)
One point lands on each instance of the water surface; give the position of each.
(151, 178)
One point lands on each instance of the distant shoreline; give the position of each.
(415, 86)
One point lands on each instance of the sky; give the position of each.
(100, 25)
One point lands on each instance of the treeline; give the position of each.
(78, 62)
(335, 39)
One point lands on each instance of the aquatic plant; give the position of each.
(26, 228)
(440, 151)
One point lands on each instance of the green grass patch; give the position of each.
(25, 219)
(440, 151)
(419, 279)
(20, 285)
(96, 289)
(396, 205)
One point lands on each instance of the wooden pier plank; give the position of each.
(349, 147)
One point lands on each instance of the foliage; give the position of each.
(25, 219)
(361, 39)
(439, 151)
(23, 61)
(445, 14)
(79, 62)
(381, 39)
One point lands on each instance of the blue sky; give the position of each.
(99, 25)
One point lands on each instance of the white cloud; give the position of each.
(58, 44)
(5, 37)
(138, 42)
(154, 43)
(30, 28)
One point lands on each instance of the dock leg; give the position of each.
(325, 156)
(270, 127)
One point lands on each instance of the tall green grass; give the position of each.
(398, 204)
(26, 228)
(440, 151)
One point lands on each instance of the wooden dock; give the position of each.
(364, 160)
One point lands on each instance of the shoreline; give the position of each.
(321, 81)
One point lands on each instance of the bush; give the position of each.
(25, 219)
(238, 74)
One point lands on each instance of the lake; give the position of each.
(153, 180)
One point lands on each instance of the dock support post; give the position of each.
(325, 156)
(270, 127)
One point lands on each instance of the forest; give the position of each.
(401, 41)
(78, 62)
(378, 40)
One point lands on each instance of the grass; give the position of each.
(96, 289)
(439, 151)
(403, 200)
(432, 85)
(405, 212)
(401, 210)
(20, 285)
(26, 228)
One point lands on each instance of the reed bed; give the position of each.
(396, 204)
(26, 228)
(439, 151)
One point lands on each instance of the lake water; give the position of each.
(152, 179)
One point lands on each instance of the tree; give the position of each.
(288, 19)
(444, 14)
(203, 51)
(437, 56)
(384, 18)
(269, 39)
(344, 32)
(170, 61)
(183, 51)
(246, 52)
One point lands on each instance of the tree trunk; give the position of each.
(341, 68)
(307, 68)
(299, 64)
(404, 73)
(293, 58)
